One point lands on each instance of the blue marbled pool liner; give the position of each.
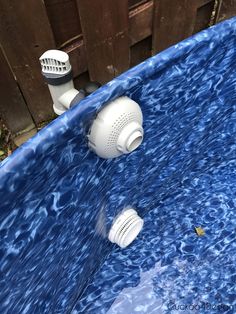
(58, 199)
(169, 267)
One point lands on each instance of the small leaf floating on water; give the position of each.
(199, 231)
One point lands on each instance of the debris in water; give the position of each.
(199, 231)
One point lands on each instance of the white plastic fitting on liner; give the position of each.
(117, 128)
(125, 228)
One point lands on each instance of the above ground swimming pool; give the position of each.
(58, 199)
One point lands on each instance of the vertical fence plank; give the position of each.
(64, 20)
(25, 34)
(105, 29)
(13, 109)
(227, 9)
(173, 21)
(205, 15)
(140, 22)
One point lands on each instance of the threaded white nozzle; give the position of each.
(125, 228)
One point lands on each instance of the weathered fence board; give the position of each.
(140, 27)
(25, 33)
(64, 20)
(140, 22)
(181, 13)
(204, 16)
(13, 109)
(103, 38)
(227, 10)
(105, 31)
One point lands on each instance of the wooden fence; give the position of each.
(102, 37)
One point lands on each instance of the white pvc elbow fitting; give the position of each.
(125, 228)
(117, 128)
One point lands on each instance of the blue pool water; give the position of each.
(58, 199)
(169, 269)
